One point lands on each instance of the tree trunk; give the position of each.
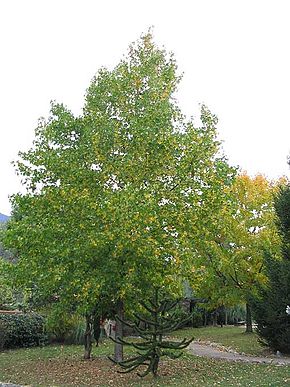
(226, 316)
(88, 337)
(155, 366)
(214, 318)
(118, 355)
(97, 328)
(249, 325)
(205, 318)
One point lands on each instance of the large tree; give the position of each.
(118, 197)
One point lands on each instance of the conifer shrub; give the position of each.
(273, 323)
(160, 319)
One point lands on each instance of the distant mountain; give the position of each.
(3, 218)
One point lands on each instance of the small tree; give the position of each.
(233, 260)
(161, 321)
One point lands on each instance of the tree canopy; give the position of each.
(118, 198)
(245, 230)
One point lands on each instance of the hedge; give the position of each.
(21, 330)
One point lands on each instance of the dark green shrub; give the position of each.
(196, 318)
(21, 330)
(63, 326)
(236, 314)
(3, 334)
(77, 332)
(181, 314)
(273, 323)
(58, 325)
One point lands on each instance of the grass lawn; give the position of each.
(63, 366)
(228, 336)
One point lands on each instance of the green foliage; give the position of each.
(21, 330)
(118, 198)
(196, 318)
(64, 327)
(162, 320)
(283, 213)
(182, 315)
(58, 325)
(236, 313)
(77, 333)
(4, 253)
(3, 333)
(270, 306)
(232, 264)
(8, 298)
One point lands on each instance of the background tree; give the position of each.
(233, 262)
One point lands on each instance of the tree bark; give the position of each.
(97, 327)
(214, 318)
(88, 337)
(118, 354)
(249, 325)
(205, 318)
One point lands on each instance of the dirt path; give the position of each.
(217, 352)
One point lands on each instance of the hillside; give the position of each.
(3, 218)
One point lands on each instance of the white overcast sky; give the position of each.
(235, 56)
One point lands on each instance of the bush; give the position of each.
(3, 335)
(21, 330)
(64, 327)
(196, 318)
(235, 314)
(77, 333)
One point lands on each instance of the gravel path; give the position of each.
(215, 351)
(10, 385)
